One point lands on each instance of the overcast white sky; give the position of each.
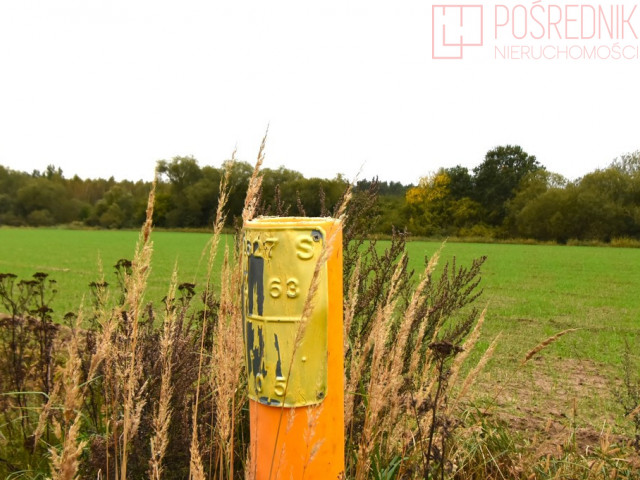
(103, 88)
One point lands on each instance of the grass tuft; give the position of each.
(544, 344)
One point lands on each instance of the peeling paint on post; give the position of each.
(295, 391)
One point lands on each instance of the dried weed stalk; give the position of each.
(403, 342)
(227, 364)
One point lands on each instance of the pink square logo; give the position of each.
(454, 27)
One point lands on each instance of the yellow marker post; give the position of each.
(295, 371)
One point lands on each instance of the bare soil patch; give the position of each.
(557, 404)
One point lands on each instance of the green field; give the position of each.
(71, 257)
(531, 292)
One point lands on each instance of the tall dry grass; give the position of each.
(117, 353)
(196, 463)
(64, 463)
(398, 379)
(162, 416)
(132, 381)
(407, 340)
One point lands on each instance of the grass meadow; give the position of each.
(531, 292)
(72, 258)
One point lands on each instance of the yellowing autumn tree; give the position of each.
(440, 204)
(428, 204)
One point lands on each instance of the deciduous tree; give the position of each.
(498, 176)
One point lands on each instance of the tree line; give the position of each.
(509, 195)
